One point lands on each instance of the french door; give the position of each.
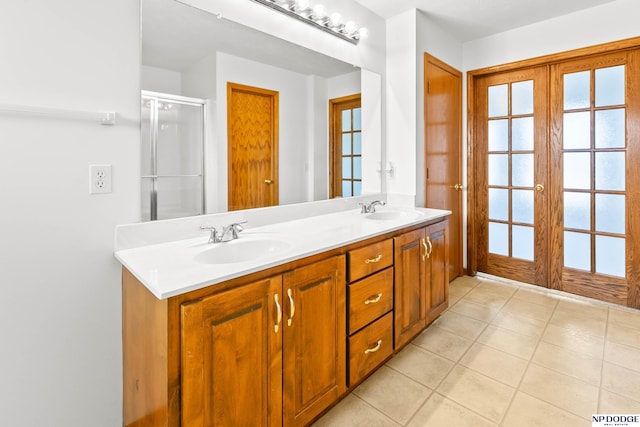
(557, 177)
(511, 180)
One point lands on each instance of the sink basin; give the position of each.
(240, 250)
(390, 215)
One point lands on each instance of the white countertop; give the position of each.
(172, 268)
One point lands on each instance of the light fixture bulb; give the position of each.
(302, 4)
(363, 33)
(350, 27)
(335, 19)
(318, 12)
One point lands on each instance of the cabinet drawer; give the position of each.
(370, 347)
(370, 298)
(370, 259)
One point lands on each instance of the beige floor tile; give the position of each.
(475, 310)
(466, 282)
(590, 309)
(519, 324)
(477, 392)
(611, 403)
(622, 355)
(570, 362)
(443, 343)
(440, 411)
(524, 308)
(579, 322)
(353, 412)
(510, 342)
(561, 390)
(497, 287)
(527, 411)
(537, 297)
(629, 318)
(488, 299)
(573, 339)
(621, 334)
(620, 380)
(421, 365)
(393, 394)
(460, 325)
(495, 364)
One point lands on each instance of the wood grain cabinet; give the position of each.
(370, 302)
(280, 346)
(267, 353)
(421, 280)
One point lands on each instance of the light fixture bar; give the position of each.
(324, 22)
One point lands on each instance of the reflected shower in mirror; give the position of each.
(190, 53)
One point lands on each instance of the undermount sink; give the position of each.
(390, 215)
(241, 250)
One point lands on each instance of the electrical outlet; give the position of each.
(99, 179)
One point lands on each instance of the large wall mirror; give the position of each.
(190, 59)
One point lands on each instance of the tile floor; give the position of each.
(505, 354)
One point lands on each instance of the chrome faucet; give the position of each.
(228, 233)
(371, 207)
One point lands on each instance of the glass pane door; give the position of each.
(512, 176)
(172, 156)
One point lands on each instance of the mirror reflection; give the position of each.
(234, 118)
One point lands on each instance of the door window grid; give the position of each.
(594, 163)
(351, 137)
(511, 170)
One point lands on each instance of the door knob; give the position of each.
(458, 187)
(268, 181)
(540, 188)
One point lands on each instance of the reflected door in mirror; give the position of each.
(252, 119)
(345, 130)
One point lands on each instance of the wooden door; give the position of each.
(436, 270)
(510, 164)
(345, 146)
(232, 357)
(409, 293)
(314, 350)
(595, 110)
(443, 150)
(252, 122)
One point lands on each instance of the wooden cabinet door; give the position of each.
(410, 297)
(231, 357)
(314, 349)
(437, 273)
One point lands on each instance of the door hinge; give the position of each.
(428, 86)
(427, 173)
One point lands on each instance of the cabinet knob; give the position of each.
(268, 181)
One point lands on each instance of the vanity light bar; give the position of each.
(316, 17)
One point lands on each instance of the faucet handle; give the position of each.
(235, 228)
(363, 208)
(214, 237)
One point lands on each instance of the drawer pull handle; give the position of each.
(292, 307)
(373, 299)
(430, 247)
(276, 298)
(372, 260)
(374, 349)
(425, 255)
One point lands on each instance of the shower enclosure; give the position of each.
(172, 156)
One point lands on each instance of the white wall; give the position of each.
(401, 103)
(60, 310)
(610, 22)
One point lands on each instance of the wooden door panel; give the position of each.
(443, 150)
(252, 121)
(436, 271)
(231, 358)
(315, 339)
(410, 300)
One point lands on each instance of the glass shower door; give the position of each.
(172, 156)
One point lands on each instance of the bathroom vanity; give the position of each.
(275, 336)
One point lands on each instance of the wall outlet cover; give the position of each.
(99, 179)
